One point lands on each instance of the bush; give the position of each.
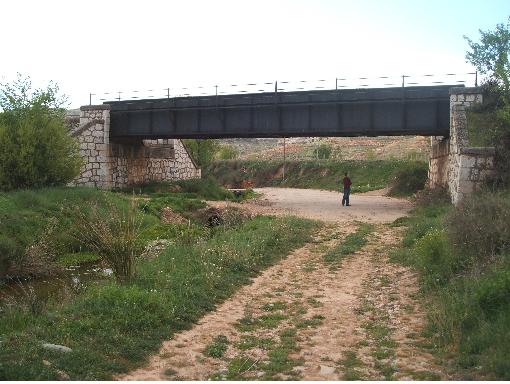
(202, 151)
(435, 258)
(323, 151)
(227, 152)
(409, 180)
(35, 147)
(480, 226)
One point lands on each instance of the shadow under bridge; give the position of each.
(421, 110)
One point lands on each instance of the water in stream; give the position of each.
(73, 278)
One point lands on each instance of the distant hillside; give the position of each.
(341, 148)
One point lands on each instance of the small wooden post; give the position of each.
(284, 158)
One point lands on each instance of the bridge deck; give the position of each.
(352, 112)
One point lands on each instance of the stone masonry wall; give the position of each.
(151, 160)
(93, 134)
(468, 167)
(438, 162)
(115, 165)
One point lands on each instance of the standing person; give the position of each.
(347, 190)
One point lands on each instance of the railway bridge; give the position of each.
(134, 141)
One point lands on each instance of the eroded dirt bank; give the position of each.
(308, 319)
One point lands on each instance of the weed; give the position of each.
(382, 353)
(352, 375)
(386, 369)
(350, 360)
(314, 302)
(249, 342)
(385, 281)
(217, 347)
(352, 243)
(272, 320)
(239, 366)
(313, 322)
(423, 375)
(276, 306)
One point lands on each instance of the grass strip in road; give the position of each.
(352, 243)
(113, 327)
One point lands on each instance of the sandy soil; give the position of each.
(327, 205)
(353, 319)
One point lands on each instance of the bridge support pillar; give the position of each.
(454, 164)
(110, 164)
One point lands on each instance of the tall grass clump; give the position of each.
(112, 235)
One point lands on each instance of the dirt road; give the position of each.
(327, 205)
(307, 318)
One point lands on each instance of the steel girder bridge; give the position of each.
(420, 110)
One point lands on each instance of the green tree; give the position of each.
(202, 151)
(490, 55)
(35, 146)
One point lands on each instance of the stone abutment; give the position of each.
(111, 165)
(453, 163)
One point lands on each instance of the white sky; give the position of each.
(96, 46)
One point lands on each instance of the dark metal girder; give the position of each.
(371, 112)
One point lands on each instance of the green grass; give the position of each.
(350, 364)
(326, 174)
(217, 347)
(29, 217)
(249, 342)
(463, 258)
(204, 188)
(80, 258)
(313, 322)
(114, 327)
(352, 243)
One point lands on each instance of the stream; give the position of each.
(72, 279)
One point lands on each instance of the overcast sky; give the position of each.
(95, 46)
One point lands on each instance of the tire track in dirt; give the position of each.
(310, 320)
(183, 354)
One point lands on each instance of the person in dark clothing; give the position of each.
(347, 190)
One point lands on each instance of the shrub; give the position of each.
(435, 257)
(35, 147)
(480, 226)
(323, 151)
(202, 151)
(409, 180)
(493, 293)
(227, 152)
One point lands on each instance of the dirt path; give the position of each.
(308, 319)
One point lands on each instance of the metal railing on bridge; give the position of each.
(462, 79)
